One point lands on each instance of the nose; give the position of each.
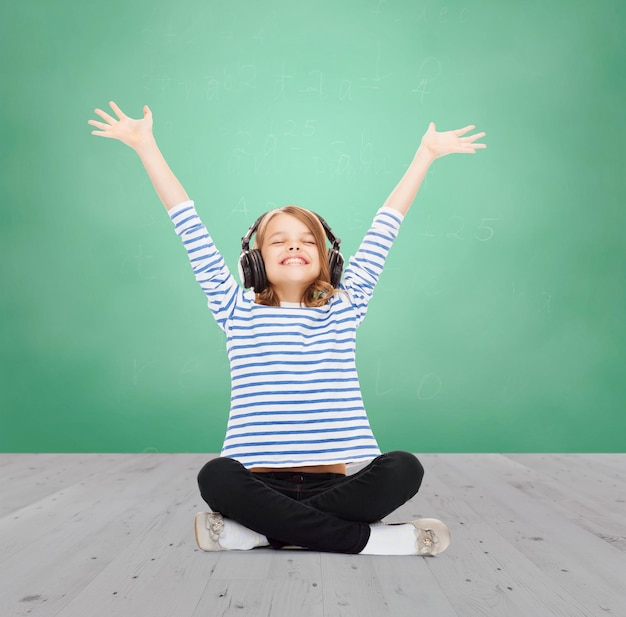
(294, 247)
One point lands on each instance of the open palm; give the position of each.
(127, 130)
(449, 142)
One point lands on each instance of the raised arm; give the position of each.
(137, 134)
(434, 145)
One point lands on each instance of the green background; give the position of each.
(498, 324)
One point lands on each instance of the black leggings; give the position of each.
(320, 511)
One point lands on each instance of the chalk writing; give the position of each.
(444, 15)
(241, 206)
(429, 72)
(267, 160)
(139, 260)
(342, 161)
(164, 81)
(376, 10)
(232, 80)
(546, 301)
(370, 163)
(295, 129)
(345, 90)
(459, 225)
(282, 83)
(429, 386)
(530, 300)
(485, 232)
(138, 369)
(259, 37)
(316, 84)
(241, 152)
(213, 89)
(188, 373)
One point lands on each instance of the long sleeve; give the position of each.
(364, 269)
(208, 265)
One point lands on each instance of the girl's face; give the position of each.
(291, 256)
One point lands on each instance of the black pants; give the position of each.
(319, 511)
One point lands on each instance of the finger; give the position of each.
(99, 125)
(105, 116)
(473, 137)
(464, 130)
(471, 148)
(100, 133)
(118, 112)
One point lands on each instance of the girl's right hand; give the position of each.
(133, 133)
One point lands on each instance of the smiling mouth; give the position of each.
(294, 261)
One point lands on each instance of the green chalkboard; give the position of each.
(499, 321)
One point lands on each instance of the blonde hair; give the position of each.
(320, 290)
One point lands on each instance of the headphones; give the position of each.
(252, 268)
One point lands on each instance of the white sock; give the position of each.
(236, 537)
(391, 540)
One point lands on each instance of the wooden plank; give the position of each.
(297, 565)
(160, 571)
(482, 573)
(410, 582)
(614, 462)
(260, 598)
(609, 524)
(611, 463)
(90, 497)
(381, 586)
(350, 587)
(33, 477)
(92, 524)
(181, 580)
(562, 577)
(19, 463)
(582, 474)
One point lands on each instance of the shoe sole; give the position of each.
(196, 522)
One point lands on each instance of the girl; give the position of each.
(297, 417)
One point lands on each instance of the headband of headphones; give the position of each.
(334, 240)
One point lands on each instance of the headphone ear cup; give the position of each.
(245, 274)
(335, 265)
(252, 270)
(257, 268)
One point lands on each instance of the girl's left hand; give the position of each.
(438, 144)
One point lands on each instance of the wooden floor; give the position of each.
(111, 535)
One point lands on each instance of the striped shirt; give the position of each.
(295, 393)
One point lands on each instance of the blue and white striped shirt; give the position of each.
(295, 393)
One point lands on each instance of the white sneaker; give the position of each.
(433, 536)
(209, 526)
